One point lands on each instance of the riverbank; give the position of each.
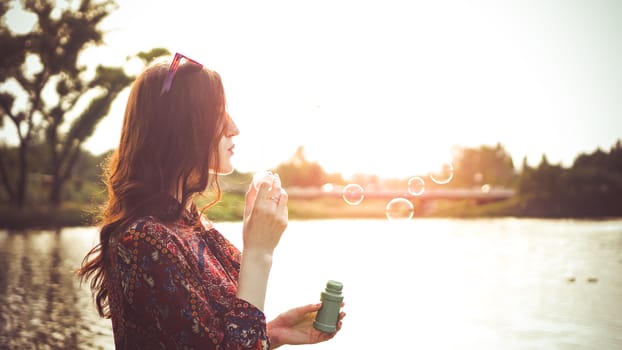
(231, 208)
(67, 215)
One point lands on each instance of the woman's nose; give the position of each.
(232, 128)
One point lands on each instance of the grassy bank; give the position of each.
(67, 215)
(231, 208)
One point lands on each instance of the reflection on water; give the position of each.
(42, 305)
(426, 283)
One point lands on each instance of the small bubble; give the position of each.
(353, 194)
(443, 175)
(486, 188)
(400, 209)
(416, 186)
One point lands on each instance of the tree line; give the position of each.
(590, 187)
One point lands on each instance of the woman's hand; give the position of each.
(295, 327)
(265, 215)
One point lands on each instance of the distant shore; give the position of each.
(231, 207)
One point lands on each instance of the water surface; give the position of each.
(424, 283)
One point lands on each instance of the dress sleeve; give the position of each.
(167, 296)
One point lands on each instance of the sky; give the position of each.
(388, 87)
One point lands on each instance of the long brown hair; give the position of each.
(169, 143)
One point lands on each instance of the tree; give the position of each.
(484, 165)
(592, 187)
(299, 172)
(55, 42)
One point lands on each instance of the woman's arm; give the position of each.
(265, 219)
(253, 279)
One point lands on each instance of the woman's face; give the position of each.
(225, 146)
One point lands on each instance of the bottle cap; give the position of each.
(334, 286)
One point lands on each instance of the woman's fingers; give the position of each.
(282, 205)
(302, 311)
(270, 188)
(267, 217)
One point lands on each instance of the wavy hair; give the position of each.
(168, 145)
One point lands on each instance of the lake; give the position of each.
(417, 284)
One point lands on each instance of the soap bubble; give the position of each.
(486, 188)
(400, 209)
(353, 194)
(416, 186)
(443, 175)
(262, 176)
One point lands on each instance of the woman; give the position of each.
(163, 274)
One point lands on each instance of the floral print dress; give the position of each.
(173, 285)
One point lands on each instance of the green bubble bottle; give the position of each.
(328, 315)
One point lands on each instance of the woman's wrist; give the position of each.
(275, 340)
(253, 278)
(258, 256)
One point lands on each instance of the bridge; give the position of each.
(477, 195)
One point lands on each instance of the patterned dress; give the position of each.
(173, 285)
